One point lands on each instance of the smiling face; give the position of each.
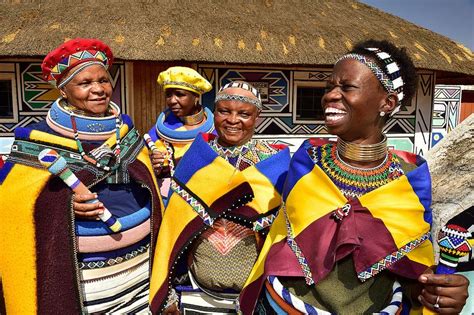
(181, 102)
(235, 120)
(353, 101)
(90, 90)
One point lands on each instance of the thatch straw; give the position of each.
(291, 32)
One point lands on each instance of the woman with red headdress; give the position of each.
(56, 254)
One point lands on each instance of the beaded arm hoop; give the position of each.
(453, 244)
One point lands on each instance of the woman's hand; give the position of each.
(444, 294)
(86, 210)
(172, 310)
(157, 160)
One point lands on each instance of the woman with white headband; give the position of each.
(225, 195)
(353, 234)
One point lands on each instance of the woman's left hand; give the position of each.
(444, 294)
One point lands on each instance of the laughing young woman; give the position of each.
(354, 229)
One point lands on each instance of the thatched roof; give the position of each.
(289, 32)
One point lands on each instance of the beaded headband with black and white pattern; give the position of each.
(390, 79)
(221, 95)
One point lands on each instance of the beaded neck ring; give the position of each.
(195, 119)
(362, 152)
(104, 150)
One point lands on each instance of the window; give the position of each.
(7, 96)
(307, 98)
(6, 99)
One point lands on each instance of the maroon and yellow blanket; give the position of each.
(206, 187)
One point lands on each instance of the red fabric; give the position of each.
(339, 240)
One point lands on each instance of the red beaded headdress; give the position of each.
(72, 53)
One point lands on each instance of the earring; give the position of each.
(382, 114)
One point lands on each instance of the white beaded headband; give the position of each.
(221, 95)
(390, 79)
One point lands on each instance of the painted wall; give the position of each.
(446, 110)
(410, 129)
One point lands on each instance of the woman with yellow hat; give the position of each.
(181, 122)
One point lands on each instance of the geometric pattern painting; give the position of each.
(447, 100)
(423, 112)
(409, 129)
(33, 96)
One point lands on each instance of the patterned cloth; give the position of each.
(194, 219)
(39, 273)
(377, 232)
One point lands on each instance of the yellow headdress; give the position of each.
(184, 78)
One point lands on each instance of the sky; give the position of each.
(451, 18)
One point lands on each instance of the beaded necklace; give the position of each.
(102, 151)
(245, 155)
(354, 181)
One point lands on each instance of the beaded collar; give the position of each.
(88, 127)
(73, 124)
(353, 181)
(167, 123)
(245, 155)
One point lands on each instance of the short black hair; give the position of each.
(407, 68)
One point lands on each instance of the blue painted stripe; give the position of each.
(111, 221)
(98, 228)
